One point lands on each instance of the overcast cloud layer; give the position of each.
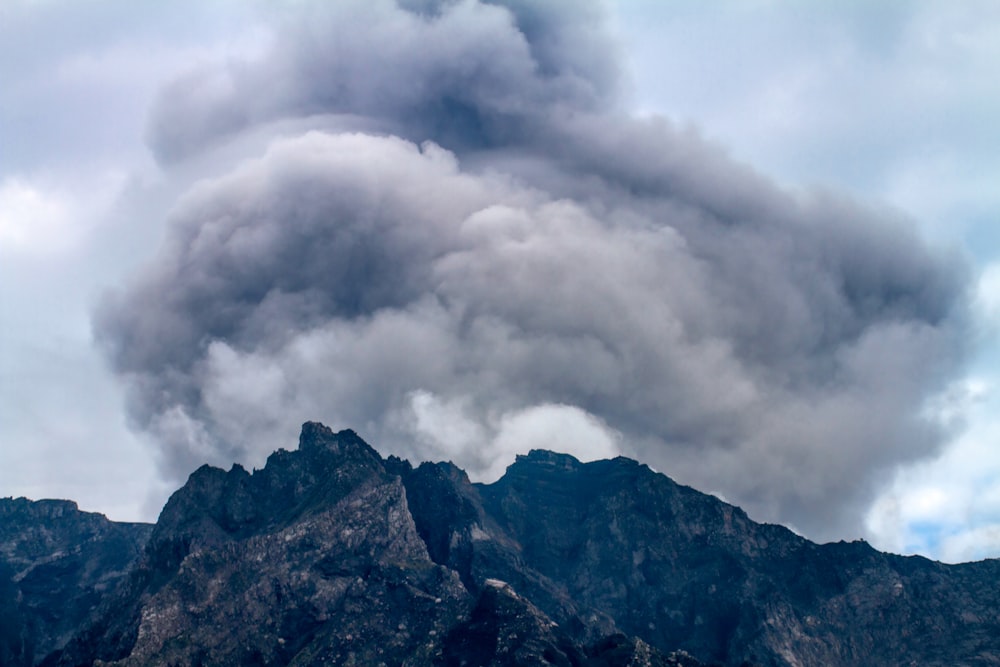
(434, 223)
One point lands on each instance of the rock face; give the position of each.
(333, 555)
(613, 545)
(56, 565)
(312, 560)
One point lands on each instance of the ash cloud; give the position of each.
(503, 255)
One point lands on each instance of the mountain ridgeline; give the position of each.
(333, 555)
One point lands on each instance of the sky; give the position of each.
(751, 244)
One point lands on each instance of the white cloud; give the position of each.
(988, 297)
(445, 424)
(942, 507)
(563, 428)
(44, 216)
(487, 448)
(32, 220)
(948, 507)
(971, 544)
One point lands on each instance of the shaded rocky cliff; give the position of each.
(614, 544)
(333, 555)
(315, 559)
(56, 565)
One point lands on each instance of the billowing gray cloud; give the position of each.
(502, 255)
(467, 73)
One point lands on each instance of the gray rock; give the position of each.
(332, 555)
(56, 565)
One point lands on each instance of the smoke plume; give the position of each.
(458, 243)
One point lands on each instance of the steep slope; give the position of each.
(314, 559)
(505, 628)
(333, 555)
(56, 564)
(678, 568)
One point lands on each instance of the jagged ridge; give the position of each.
(331, 554)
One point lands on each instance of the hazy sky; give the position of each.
(752, 244)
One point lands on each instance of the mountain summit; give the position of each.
(332, 554)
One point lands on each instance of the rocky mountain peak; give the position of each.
(332, 555)
(543, 457)
(318, 437)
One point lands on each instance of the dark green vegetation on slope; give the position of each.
(333, 555)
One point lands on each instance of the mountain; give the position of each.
(332, 554)
(56, 565)
(613, 546)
